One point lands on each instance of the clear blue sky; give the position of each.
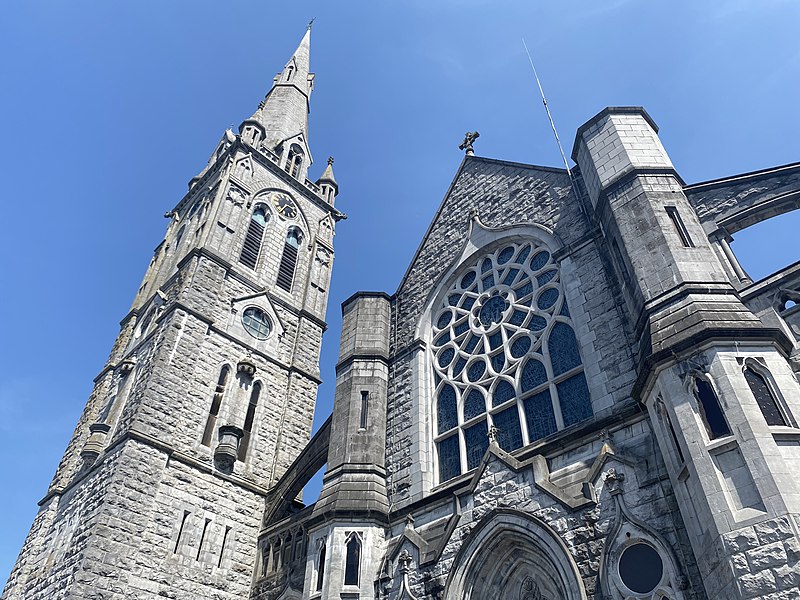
(109, 108)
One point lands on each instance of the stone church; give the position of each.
(575, 392)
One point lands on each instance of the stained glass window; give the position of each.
(765, 398)
(449, 459)
(446, 410)
(474, 405)
(503, 346)
(539, 415)
(477, 441)
(509, 435)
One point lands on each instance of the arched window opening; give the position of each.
(352, 562)
(664, 416)
(289, 72)
(179, 239)
(294, 160)
(244, 444)
(765, 398)
(216, 402)
(710, 409)
(289, 259)
(505, 356)
(145, 323)
(254, 236)
(321, 567)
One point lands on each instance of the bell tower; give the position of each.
(209, 391)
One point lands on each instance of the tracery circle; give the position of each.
(256, 322)
(492, 310)
(641, 568)
(500, 306)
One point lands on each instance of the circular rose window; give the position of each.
(256, 322)
(640, 568)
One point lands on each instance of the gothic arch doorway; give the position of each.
(512, 555)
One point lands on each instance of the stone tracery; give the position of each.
(504, 355)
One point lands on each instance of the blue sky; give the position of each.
(109, 108)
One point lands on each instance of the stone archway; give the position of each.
(512, 555)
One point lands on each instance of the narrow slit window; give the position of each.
(179, 539)
(710, 410)
(251, 247)
(321, 568)
(626, 277)
(364, 409)
(668, 422)
(289, 259)
(248, 421)
(216, 402)
(222, 546)
(352, 561)
(683, 233)
(202, 539)
(765, 398)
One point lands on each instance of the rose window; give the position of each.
(504, 356)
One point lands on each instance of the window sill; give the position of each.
(721, 444)
(784, 433)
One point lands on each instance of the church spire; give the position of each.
(281, 121)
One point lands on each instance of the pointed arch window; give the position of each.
(710, 409)
(216, 402)
(765, 397)
(352, 562)
(504, 355)
(248, 420)
(321, 567)
(294, 160)
(288, 263)
(254, 236)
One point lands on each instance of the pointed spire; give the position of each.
(327, 174)
(283, 114)
(327, 182)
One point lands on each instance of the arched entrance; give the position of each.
(512, 555)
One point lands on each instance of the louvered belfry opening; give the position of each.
(252, 240)
(288, 260)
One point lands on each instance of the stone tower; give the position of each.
(208, 394)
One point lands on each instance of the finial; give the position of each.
(330, 161)
(469, 139)
(311, 22)
(493, 431)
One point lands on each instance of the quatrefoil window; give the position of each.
(504, 355)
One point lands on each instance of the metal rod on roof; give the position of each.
(547, 109)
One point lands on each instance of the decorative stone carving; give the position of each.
(127, 365)
(236, 195)
(529, 590)
(246, 366)
(98, 432)
(613, 480)
(469, 139)
(228, 447)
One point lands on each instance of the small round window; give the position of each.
(257, 323)
(640, 568)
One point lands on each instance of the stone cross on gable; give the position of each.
(469, 139)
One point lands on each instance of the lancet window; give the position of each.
(294, 160)
(289, 259)
(504, 355)
(249, 418)
(216, 402)
(710, 409)
(765, 397)
(254, 236)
